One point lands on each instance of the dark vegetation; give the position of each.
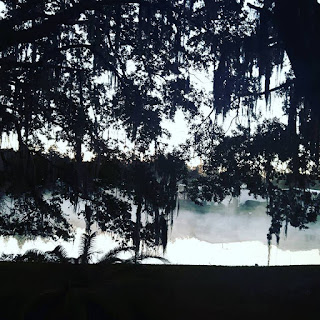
(77, 72)
(72, 72)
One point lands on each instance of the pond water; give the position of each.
(235, 233)
(232, 233)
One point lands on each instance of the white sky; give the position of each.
(2, 9)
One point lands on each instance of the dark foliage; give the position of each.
(265, 164)
(71, 71)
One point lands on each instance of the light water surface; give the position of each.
(232, 233)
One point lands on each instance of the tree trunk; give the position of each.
(79, 172)
(136, 239)
(156, 225)
(298, 23)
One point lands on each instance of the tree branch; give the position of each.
(252, 6)
(51, 25)
(258, 94)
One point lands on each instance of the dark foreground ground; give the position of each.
(54, 291)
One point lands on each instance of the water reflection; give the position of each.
(231, 233)
(132, 199)
(140, 208)
(234, 233)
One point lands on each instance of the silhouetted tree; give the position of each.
(72, 70)
(51, 61)
(55, 50)
(260, 162)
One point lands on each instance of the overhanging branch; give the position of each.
(11, 37)
(259, 94)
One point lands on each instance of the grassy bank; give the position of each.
(49, 291)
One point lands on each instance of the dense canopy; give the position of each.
(72, 71)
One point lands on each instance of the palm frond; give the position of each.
(111, 256)
(86, 246)
(117, 250)
(58, 254)
(131, 260)
(141, 257)
(110, 260)
(162, 259)
(32, 255)
(7, 257)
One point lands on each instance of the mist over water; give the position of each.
(232, 233)
(235, 233)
